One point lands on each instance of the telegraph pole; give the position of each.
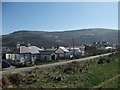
(73, 47)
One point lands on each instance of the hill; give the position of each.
(48, 39)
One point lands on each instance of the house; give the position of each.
(106, 48)
(62, 52)
(4, 51)
(82, 49)
(77, 51)
(24, 53)
(47, 55)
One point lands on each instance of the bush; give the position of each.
(75, 67)
(15, 79)
(57, 79)
(100, 61)
(107, 61)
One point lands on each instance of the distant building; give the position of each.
(104, 46)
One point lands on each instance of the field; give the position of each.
(101, 72)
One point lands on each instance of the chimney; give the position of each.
(29, 44)
(18, 46)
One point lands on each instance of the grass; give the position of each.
(111, 83)
(1, 69)
(82, 74)
(48, 62)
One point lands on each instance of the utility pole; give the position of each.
(73, 47)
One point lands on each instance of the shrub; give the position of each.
(107, 61)
(100, 61)
(15, 79)
(75, 67)
(57, 79)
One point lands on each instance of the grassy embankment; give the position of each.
(96, 73)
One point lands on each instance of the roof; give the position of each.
(75, 49)
(16, 51)
(108, 47)
(46, 52)
(30, 49)
(5, 50)
(51, 49)
(64, 49)
(82, 46)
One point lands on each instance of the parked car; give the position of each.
(17, 64)
(5, 64)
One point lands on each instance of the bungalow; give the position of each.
(47, 55)
(24, 53)
(77, 51)
(62, 53)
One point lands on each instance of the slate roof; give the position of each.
(51, 49)
(46, 52)
(30, 49)
(16, 51)
(64, 49)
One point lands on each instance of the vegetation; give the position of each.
(101, 72)
(49, 39)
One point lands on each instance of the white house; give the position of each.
(47, 55)
(24, 53)
(82, 49)
(77, 51)
(62, 53)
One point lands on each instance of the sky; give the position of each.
(58, 16)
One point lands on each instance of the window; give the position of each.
(24, 56)
(15, 57)
(33, 57)
(9, 56)
(45, 58)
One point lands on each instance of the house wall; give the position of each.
(61, 54)
(78, 52)
(15, 56)
(35, 57)
(25, 57)
(8, 56)
(67, 55)
(20, 57)
(47, 57)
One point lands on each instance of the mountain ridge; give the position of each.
(49, 39)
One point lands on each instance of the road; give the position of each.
(49, 65)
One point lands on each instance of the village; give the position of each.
(27, 53)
